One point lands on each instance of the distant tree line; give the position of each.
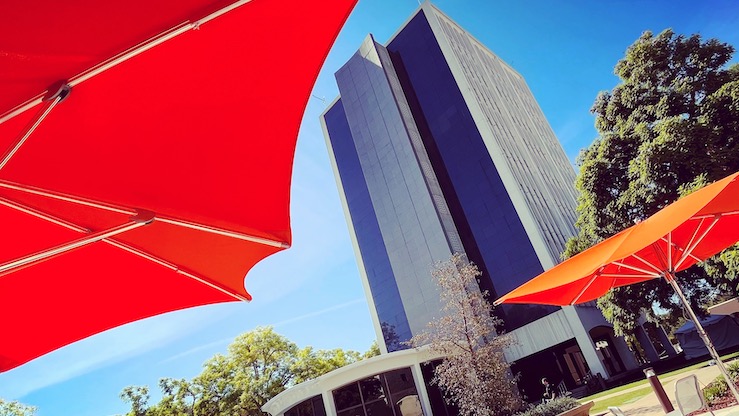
(259, 365)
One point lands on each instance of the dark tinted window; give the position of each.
(400, 383)
(379, 408)
(311, 407)
(303, 409)
(318, 408)
(380, 395)
(372, 389)
(347, 396)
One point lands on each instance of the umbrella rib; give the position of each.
(152, 42)
(141, 253)
(695, 233)
(656, 269)
(680, 249)
(223, 232)
(126, 55)
(636, 269)
(75, 244)
(126, 211)
(40, 116)
(66, 198)
(585, 288)
(694, 244)
(669, 249)
(131, 52)
(214, 286)
(618, 276)
(723, 214)
(177, 269)
(42, 215)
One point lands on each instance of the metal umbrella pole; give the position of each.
(670, 277)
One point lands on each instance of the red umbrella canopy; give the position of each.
(193, 138)
(685, 232)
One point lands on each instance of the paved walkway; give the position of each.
(649, 405)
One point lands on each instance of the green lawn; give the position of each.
(621, 399)
(631, 396)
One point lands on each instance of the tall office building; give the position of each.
(439, 147)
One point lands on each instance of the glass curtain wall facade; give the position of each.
(439, 147)
(310, 407)
(489, 223)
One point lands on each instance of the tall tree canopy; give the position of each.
(670, 126)
(259, 365)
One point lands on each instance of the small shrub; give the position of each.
(733, 370)
(715, 390)
(552, 408)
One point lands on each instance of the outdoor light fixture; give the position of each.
(659, 391)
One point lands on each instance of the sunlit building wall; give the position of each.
(438, 147)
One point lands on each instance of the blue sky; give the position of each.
(312, 293)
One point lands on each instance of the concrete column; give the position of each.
(646, 344)
(627, 357)
(665, 340)
(423, 395)
(328, 403)
(583, 340)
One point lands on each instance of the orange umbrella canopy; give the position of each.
(688, 231)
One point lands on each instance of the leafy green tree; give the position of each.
(219, 393)
(138, 397)
(373, 351)
(670, 126)
(262, 361)
(474, 374)
(179, 397)
(310, 364)
(259, 365)
(14, 408)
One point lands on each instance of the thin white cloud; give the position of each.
(318, 313)
(203, 347)
(103, 350)
(285, 322)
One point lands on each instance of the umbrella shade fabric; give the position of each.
(687, 231)
(161, 179)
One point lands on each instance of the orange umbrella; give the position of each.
(685, 232)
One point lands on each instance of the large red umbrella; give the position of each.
(680, 235)
(147, 152)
